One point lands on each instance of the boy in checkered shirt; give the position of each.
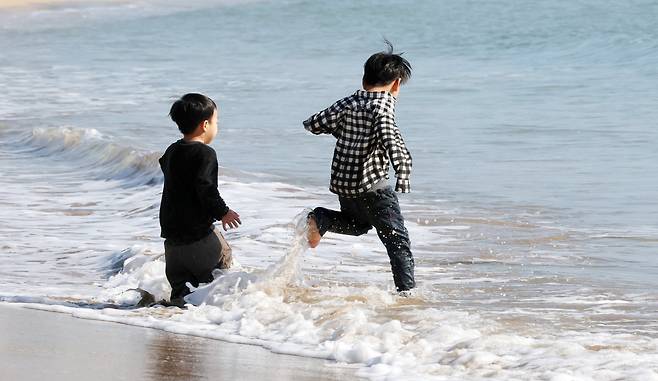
(367, 140)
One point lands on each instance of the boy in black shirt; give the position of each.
(190, 200)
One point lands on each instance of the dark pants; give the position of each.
(195, 262)
(378, 209)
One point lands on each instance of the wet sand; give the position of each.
(41, 3)
(40, 345)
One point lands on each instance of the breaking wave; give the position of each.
(96, 154)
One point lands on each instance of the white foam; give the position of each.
(391, 337)
(355, 326)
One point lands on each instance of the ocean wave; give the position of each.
(94, 153)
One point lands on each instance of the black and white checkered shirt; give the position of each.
(367, 138)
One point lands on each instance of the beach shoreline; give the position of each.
(41, 345)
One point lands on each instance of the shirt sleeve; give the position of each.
(326, 121)
(391, 140)
(206, 186)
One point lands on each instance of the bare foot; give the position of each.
(314, 236)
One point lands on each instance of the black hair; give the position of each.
(190, 110)
(385, 67)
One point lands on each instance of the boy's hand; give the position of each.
(231, 219)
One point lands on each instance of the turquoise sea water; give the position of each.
(531, 125)
(512, 107)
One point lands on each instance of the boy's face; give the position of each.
(211, 127)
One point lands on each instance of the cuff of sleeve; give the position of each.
(403, 186)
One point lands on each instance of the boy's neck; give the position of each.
(392, 88)
(194, 138)
(377, 89)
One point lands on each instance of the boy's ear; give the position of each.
(396, 85)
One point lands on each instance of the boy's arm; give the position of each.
(206, 187)
(393, 143)
(326, 121)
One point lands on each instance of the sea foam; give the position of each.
(388, 336)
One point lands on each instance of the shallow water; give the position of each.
(534, 184)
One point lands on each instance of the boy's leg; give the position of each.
(176, 272)
(347, 221)
(226, 253)
(204, 257)
(322, 220)
(384, 214)
(193, 263)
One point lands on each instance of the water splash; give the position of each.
(288, 269)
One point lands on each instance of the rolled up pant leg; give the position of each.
(344, 222)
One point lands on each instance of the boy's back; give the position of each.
(367, 137)
(189, 197)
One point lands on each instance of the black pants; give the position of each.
(378, 209)
(195, 262)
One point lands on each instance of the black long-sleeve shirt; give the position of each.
(190, 199)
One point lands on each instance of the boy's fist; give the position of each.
(231, 219)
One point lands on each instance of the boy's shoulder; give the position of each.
(191, 148)
(381, 102)
(347, 102)
(374, 101)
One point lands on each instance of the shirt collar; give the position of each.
(374, 94)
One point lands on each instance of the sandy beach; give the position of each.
(36, 3)
(38, 345)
